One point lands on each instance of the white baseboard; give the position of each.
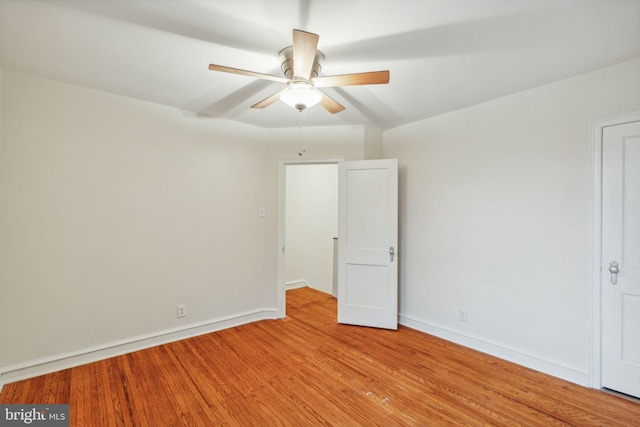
(45, 365)
(534, 362)
(295, 284)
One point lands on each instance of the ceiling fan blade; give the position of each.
(224, 69)
(304, 53)
(329, 103)
(269, 100)
(371, 78)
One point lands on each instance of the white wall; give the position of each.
(113, 211)
(373, 139)
(1, 103)
(1, 84)
(494, 219)
(311, 224)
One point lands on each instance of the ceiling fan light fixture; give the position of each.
(301, 65)
(300, 95)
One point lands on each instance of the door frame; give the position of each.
(595, 239)
(282, 166)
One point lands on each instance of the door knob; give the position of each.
(392, 252)
(614, 270)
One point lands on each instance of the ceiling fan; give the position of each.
(301, 65)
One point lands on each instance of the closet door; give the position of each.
(621, 258)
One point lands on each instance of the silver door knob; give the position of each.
(614, 270)
(392, 252)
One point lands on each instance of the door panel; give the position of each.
(368, 229)
(368, 286)
(630, 329)
(621, 258)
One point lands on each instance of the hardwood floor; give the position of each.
(308, 370)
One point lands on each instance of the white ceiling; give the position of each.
(443, 55)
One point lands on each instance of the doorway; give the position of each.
(307, 195)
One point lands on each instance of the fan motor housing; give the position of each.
(286, 56)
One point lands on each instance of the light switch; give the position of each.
(261, 212)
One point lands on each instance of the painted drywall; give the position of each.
(311, 224)
(1, 102)
(320, 143)
(113, 211)
(1, 84)
(494, 219)
(373, 138)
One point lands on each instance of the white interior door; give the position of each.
(367, 243)
(621, 258)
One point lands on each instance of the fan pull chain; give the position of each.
(301, 148)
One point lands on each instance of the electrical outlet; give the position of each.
(182, 310)
(462, 315)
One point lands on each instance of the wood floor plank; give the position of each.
(80, 398)
(309, 370)
(443, 382)
(196, 381)
(527, 386)
(115, 386)
(36, 390)
(177, 390)
(141, 409)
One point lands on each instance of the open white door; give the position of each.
(367, 243)
(621, 258)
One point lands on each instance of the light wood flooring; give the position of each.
(307, 370)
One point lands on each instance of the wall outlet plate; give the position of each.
(182, 310)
